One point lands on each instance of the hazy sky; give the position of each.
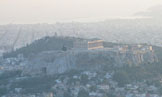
(50, 11)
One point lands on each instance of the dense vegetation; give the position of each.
(149, 73)
(35, 84)
(44, 44)
(6, 78)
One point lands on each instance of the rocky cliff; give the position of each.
(52, 62)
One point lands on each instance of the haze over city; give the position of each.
(52, 11)
(80, 48)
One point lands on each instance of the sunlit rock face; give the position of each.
(60, 61)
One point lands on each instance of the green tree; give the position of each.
(84, 79)
(83, 93)
(121, 77)
(64, 48)
(67, 94)
(3, 91)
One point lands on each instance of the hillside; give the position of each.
(48, 44)
(48, 52)
(49, 69)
